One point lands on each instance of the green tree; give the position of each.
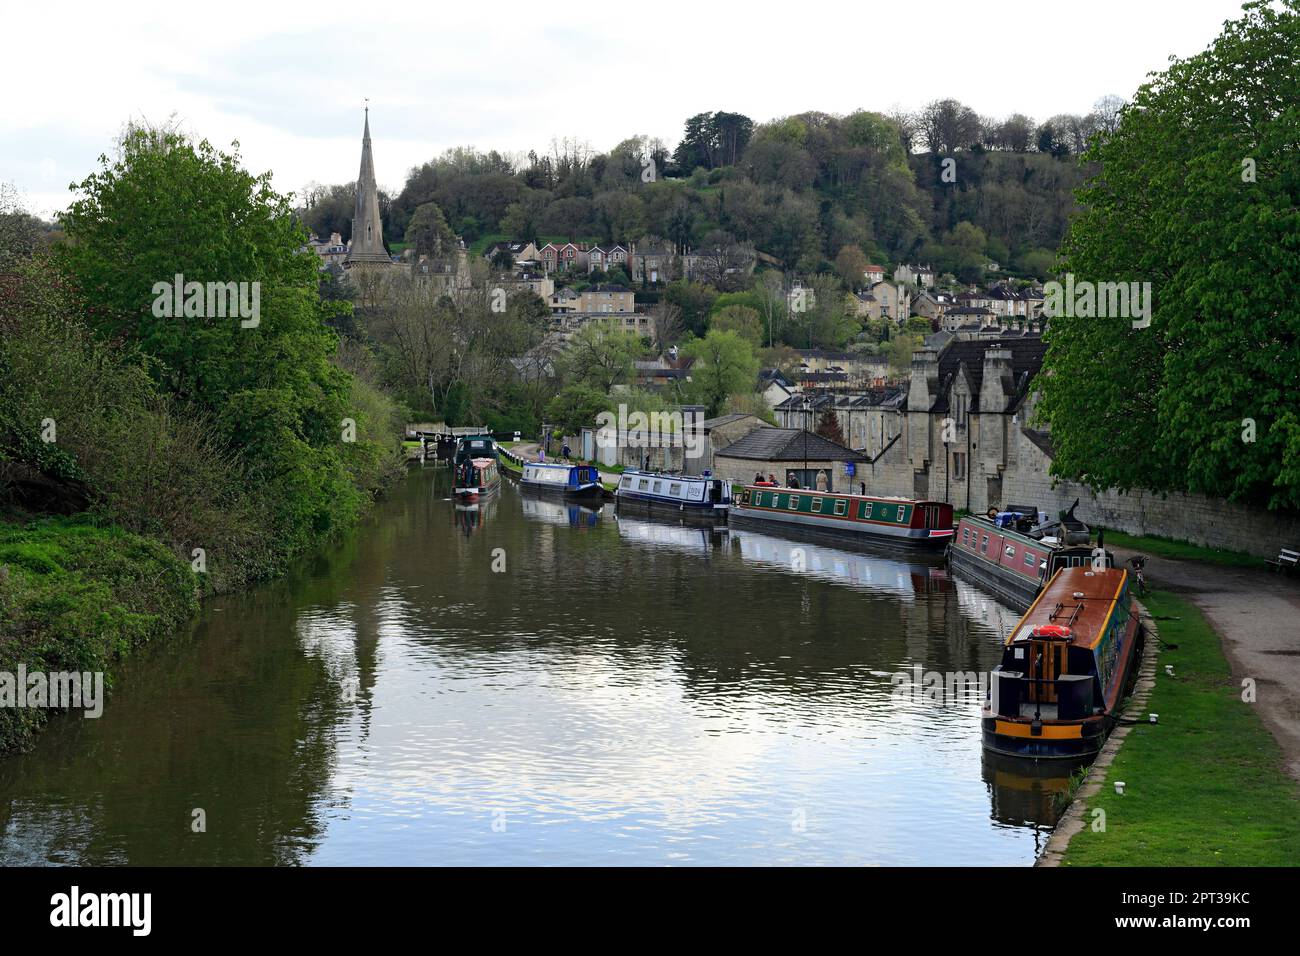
(574, 407)
(1195, 193)
(600, 355)
(725, 365)
(429, 233)
(168, 207)
(743, 321)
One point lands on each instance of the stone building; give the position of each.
(789, 453)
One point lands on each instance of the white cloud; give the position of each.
(288, 82)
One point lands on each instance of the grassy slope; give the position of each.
(78, 597)
(1203, 787)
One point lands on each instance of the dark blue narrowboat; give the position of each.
(578, 482)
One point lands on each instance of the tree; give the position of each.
(694, 299)
(575, 407)
(1194, 193)
(851, 264)
(600, 354)
(724, 365)
(828, 426)
(740, 319)
(947, 126)
(429, 233)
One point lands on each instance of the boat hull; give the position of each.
(592, 492)
(900, 539)
(1014, 590)
(706, 513)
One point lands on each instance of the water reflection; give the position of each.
(613, 691)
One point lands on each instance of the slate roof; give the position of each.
(787, 444)
(1026, 360)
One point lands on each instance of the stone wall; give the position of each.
(1210, 522)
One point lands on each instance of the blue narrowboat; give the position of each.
(579, 482)
(698, 497)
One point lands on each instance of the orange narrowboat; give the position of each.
(1066, 668)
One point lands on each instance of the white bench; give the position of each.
(1287, 560)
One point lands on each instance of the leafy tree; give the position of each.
(740, 319)
(1194, 192)
(575, 407)
(169, 207)
(429, 233)
(724, 365)
(600, 355)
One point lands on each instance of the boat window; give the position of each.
(659, 486)
(902, 514)
(794, 503)
(642, 485)
(984, 544)
(817, 505)
(627, 481)
(675, 489)
(841, 506)
(1030, 558)
(1011, 552)
(865, 510)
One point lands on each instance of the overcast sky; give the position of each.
(289, 81)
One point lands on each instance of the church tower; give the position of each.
(367, 231)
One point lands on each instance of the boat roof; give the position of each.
(1078, 598)
(662, 475)
(552, 464)
(847, 494)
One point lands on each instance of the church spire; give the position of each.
(367, 229)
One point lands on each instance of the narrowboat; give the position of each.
(579, 482)
(1014, 554)
(474, 477)
(892, 522)
(1065, 668)
(474, 446)
(697, 497)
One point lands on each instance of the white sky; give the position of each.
(288, 81)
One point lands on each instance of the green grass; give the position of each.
(1205, 786)
(1182, 550)
(77, 596)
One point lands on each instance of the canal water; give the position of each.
(537, 683)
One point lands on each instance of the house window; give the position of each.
(959, 464)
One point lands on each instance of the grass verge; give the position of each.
(1205, 786)
(1182, 550)
(76, 596)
